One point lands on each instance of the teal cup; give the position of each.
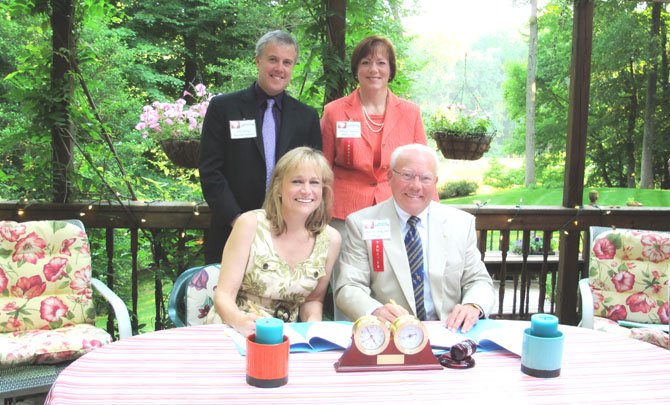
(542, 356)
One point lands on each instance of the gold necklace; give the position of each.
(368, 121)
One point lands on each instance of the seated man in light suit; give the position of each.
(444, 278)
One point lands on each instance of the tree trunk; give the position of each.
(62, 87)
(647, 163)
(630, 130)
(530, 96)
(190, 67)
(333, 60)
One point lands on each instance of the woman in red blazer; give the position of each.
(361, 130)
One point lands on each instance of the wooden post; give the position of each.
(573, 188)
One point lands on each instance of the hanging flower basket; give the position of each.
(182, 152)
(470, 146)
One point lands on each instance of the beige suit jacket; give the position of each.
(455, 269)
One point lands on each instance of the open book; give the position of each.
(489, 335)
(306, 336)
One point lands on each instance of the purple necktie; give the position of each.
(269, 130)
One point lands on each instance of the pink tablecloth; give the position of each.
(198, 365)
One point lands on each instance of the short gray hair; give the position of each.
(279, 36)
(416, 147)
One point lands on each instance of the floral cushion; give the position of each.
(649, 335)
(45, 284)
(628, 275)
(200, 294)
(50, 346)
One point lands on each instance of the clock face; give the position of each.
(409, 334)
(371, 336)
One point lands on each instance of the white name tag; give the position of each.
(348, 129)
(242, 129)
(376, 229)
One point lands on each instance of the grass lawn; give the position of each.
(554, 196)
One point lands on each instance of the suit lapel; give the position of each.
(437, 252)
(393, 114)
(396, 253)
(248, 108)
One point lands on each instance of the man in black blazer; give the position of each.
(232, 156)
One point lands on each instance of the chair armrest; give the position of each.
(587, 303)
(119, 307)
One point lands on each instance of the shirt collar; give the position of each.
(262, 97)
(404, 216)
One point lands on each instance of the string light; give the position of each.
(20, 212)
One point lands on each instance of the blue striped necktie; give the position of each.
(415, 257)
(269, 137)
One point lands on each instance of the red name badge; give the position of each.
(378, 255)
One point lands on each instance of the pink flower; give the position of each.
(65, 246)
(617, 312)
(81, 282)
(655, 247)
(199, 281)
(29, 287)
(55, 269)
(13, 323)
(91, 344)
(664, 312)
(203, 311)
(10, 307)
(598, 298)
(52, 309)
(11, 231)
(85, 249)
(4, 281)
(29, 249)
(623, 281)
(640, 302)
(604, 249)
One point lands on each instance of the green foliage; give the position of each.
(460, 188)
(499, 176)
(456, 119)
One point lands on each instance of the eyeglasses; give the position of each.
(425, 179)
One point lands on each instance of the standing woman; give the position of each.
(278, 259)
(361, 130)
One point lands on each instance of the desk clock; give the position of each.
(384, 346)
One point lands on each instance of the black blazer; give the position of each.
(232, 171)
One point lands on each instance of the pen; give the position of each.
(258, 312)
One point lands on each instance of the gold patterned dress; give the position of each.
(268, 281)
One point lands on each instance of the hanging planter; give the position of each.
(460, 133)
(182, 152)
(470, 146)
(176, 126)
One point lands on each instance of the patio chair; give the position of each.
(192, 295)
(47, 314)
(627, 288)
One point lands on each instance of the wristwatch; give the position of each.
(481, 312)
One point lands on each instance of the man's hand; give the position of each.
(389, 312)
(463, 316)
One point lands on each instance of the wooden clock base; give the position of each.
(389, 360)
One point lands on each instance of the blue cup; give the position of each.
(542, 356)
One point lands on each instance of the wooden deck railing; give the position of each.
(518, 276)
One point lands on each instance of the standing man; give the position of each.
(410, 254)
(246, 132)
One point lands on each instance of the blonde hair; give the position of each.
(291, 161)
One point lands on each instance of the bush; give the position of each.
(459, 188)
(499, 176)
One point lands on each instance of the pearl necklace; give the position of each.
(368, 121)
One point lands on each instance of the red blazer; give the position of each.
(358, 184)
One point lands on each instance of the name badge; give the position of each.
(242, 129)
(348, 129)
(376, 229)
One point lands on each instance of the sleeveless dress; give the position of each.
(268, 281)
